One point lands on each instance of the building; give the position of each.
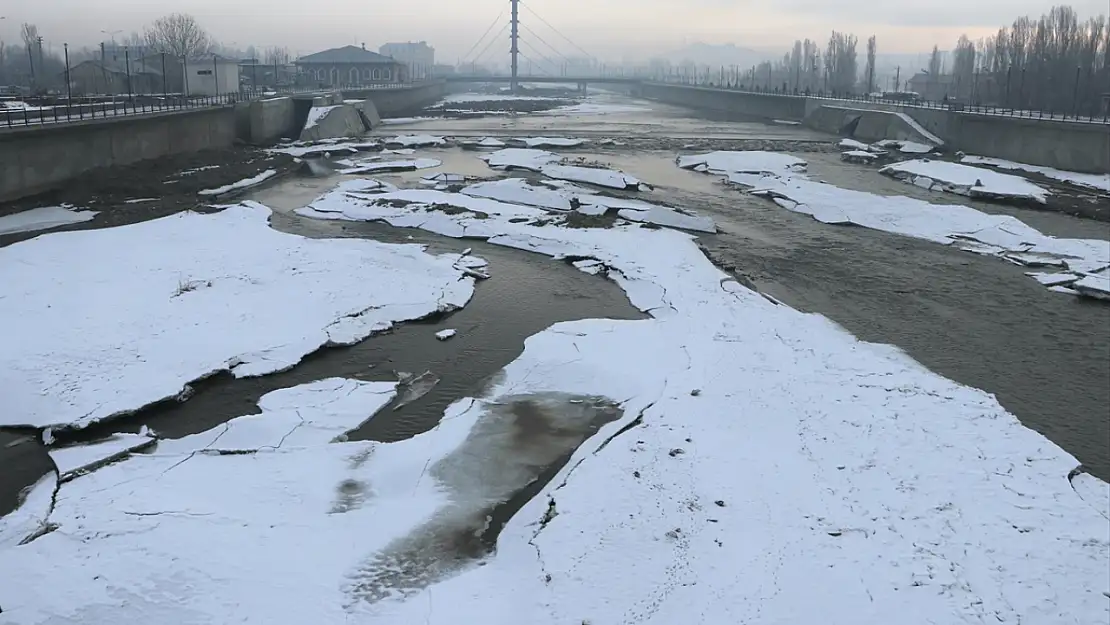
(128, 76)
(257, 73)
(418, 57)
(210, 75)
(932, 88)
(350, 66)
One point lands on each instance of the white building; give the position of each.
(210, 75)
(419, 57)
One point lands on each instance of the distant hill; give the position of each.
(716, 55)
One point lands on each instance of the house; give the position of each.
(419, 58)
(351, 66)
(210, 75)
(111, 77)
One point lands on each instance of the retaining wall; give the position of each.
(866, 124)
(401, 101)
(37, 159)
(1073, 146)
(271, 120)
(767, 106)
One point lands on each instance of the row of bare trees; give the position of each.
(34, 64)
(808, 69)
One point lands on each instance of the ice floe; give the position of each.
(591, 175)
(905, 147)
(154, 305)
(965, 180)
(550, 142)
(443, 335)
(241, 184)
(31, 516)
(744, 167)
(43, 218)
(962, 226)
(325, 148)
(519, 158)
(859, 156)
(74, 460)
(415, 141)
(1100, 182)
(386, 166)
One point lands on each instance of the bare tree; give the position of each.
(963, 66)
(277, 55)
(934, 64)
(872, 50)
(29, 33)
(178, 34)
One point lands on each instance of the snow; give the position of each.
(43, 218)
(906, 147)
(443, 335)
(317, 113)
(746, 162)
(490, 142)
(461, 98)
(596, 108)
(871, 488)
(563, 199)
(72, 461)
(1052, 278)
(402, 151)
(1099, 182)
(283, 422)
(324, 148)
(519, 158)
(29, 517)
(141, 200)
(551, 142)
(965, 180)
(415, 141)
(969, 229)
(1094, 285)
(852, 144)
(190, 172)
(786, 122)
(104, 322)
(384, 166)
(242, 184)
(661, 216)
(590, 175)
(862, 156)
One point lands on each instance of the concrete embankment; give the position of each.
(869, 125)
(39, 158)
(1068, 145)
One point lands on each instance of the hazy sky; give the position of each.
(609, 29)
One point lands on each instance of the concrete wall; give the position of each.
(767, 106)
(401, 101)
(271, 120)
(34, 160)
(865, 124)
(1071, 146)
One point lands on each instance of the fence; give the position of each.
(70, 111)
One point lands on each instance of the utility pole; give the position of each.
(514, 50)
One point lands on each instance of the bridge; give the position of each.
(544, 79)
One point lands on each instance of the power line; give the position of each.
(540, 54)
(480, 39)
(540, 18)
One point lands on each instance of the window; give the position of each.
(387, 75)
(366, 74)
(204, 72)
(377, 74)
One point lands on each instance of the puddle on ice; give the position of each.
(516, 447)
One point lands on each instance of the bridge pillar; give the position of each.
(582, 87)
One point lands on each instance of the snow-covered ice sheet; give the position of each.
(596, 108)
(463, 98)
(570, 197)
(965, 180)
(316, 113)
(1094, 285)
(284, 423)
(519, 158)
(591, 175)
(241, 184)
(872, 490)
(416, 141)
(443, 335)
(744, 162)
(551, 142)
(969, 229)
(384, 166)
(152, 306)
(30, 517)
(325, 148)
(858, 156)
(905, 147)
(1099, 182)
(76, 459)
(852, 144)
(43, 218)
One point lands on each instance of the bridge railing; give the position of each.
(15, 114)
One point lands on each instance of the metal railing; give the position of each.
(66, 111)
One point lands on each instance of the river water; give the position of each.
(976, 320)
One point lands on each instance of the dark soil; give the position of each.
(107, 190)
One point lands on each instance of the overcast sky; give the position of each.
(607, 29)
